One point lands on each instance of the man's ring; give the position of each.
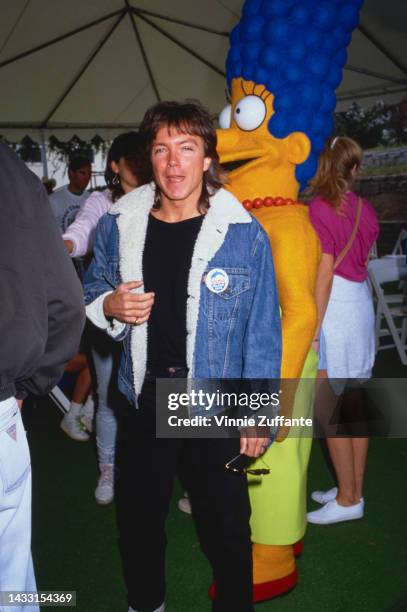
(135, 321)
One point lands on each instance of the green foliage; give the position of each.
(30, 151)
(12, 145)
(64, 150)
(378, 125)
(384, 170)
(27, 149)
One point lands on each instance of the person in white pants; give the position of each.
(16, 567)
(42, 317)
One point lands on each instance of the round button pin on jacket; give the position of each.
(217, 280)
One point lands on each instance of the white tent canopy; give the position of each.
(94, 66)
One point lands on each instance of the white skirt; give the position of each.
(347, 343)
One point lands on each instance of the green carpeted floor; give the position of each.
(352, 567)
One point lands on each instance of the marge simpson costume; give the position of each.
(284, 64)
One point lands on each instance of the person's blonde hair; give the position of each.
(334, 173)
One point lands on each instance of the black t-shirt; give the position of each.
(166, 264)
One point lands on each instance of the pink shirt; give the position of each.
(82, 231)
(334, 231)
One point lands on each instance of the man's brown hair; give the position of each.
(187, 118)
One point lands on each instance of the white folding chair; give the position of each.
(389, 307)
(373, 252)
(398, 247)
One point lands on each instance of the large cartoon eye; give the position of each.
(225, 117)
(250, 113)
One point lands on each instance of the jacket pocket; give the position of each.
(14, 455)
(225, 305)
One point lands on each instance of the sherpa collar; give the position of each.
(225, 208)
(133, 211)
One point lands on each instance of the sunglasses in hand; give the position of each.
(246, 470)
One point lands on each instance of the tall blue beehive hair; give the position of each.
(297, 49)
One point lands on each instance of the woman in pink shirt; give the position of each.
(124, 172)
(347, 227)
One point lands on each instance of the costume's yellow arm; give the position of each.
(296, 254)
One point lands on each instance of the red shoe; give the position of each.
(274, 588)
(298, 547)
(212, 590)
(266, 590)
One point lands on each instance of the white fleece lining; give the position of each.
(132, 224)
(133, 210)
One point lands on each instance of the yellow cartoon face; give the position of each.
(261, 165)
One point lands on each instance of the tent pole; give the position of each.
(182, 45)
(53, 41)
(43, 154)
(182, 22)
(83, 69)
(376, 75)
(142, 50)
(370, 92)
(382, 48)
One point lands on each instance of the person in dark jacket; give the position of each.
(42, 317)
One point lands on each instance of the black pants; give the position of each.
(146, 467)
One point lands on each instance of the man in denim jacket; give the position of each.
(183, 275)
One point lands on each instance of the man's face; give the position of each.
(80, 178)
(178, 162)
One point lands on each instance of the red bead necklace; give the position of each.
(269, 201)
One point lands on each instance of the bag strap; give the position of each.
(348, 245)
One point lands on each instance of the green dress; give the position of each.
(278, 499)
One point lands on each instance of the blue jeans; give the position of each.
(106, 356)
(16, 567)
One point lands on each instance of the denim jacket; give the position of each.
(235, 333)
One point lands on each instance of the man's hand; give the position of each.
(68, 245)
(129, 307)
(252, 446)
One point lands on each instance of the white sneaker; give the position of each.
(322, 497)
(332, 512)
(185, 505)
(71, 425)
(104, 492)
(87, 413)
